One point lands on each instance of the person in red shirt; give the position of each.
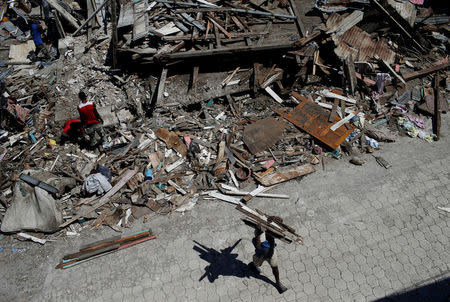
(91, 120)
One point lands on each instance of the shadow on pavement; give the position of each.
(225, 263)
(434, 292)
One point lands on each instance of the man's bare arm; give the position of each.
(260, 229)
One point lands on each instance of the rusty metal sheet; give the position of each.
(263, 133)
(313, 119)
(359, 44)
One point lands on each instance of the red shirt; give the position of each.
(87, 112)
(71, 125)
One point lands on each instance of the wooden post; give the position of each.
(114, 33)
(300, 26)
(350, 70)
(90, 18)
(90, 9)
(437, 107)
(195, 78)
(162, 82)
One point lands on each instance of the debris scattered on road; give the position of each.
(183, 103)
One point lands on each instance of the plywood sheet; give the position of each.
(262, 134)
(18, 53)
(126, 17)
(140, 26)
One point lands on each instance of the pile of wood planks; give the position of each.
(164, 30)
(104, 247)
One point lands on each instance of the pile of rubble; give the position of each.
(244, 94)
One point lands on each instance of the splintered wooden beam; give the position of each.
(426, 71)
(391, 70)
(298, 20)
(91, 24)
(333, 111)
(101, 252)
(346, 23)
(401, 24)
(195, 78)
(274, 233)
(351, 73)
(238, 23)
(59, 26)
(114, 36)
(257, 77)
(219, 27)
(305, 40)
(89, 18)
(161, 84)
(191, 54)
(286, 174)
(65, 14)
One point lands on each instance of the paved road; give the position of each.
(369, 233)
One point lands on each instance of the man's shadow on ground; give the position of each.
(225, 263)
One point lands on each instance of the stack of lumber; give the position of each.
(104, 247)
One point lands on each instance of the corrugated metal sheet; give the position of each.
(355, 41)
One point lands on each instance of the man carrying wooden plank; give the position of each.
(265, 251)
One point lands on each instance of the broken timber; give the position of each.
(397, 21)
(225, 51)
(64, 13)
(105, 198)
(103, 248)
(298, 20)
(437, 105)
(286, 174)
(345, 24)
(140, 26)
(90, 18)
(426, 71)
